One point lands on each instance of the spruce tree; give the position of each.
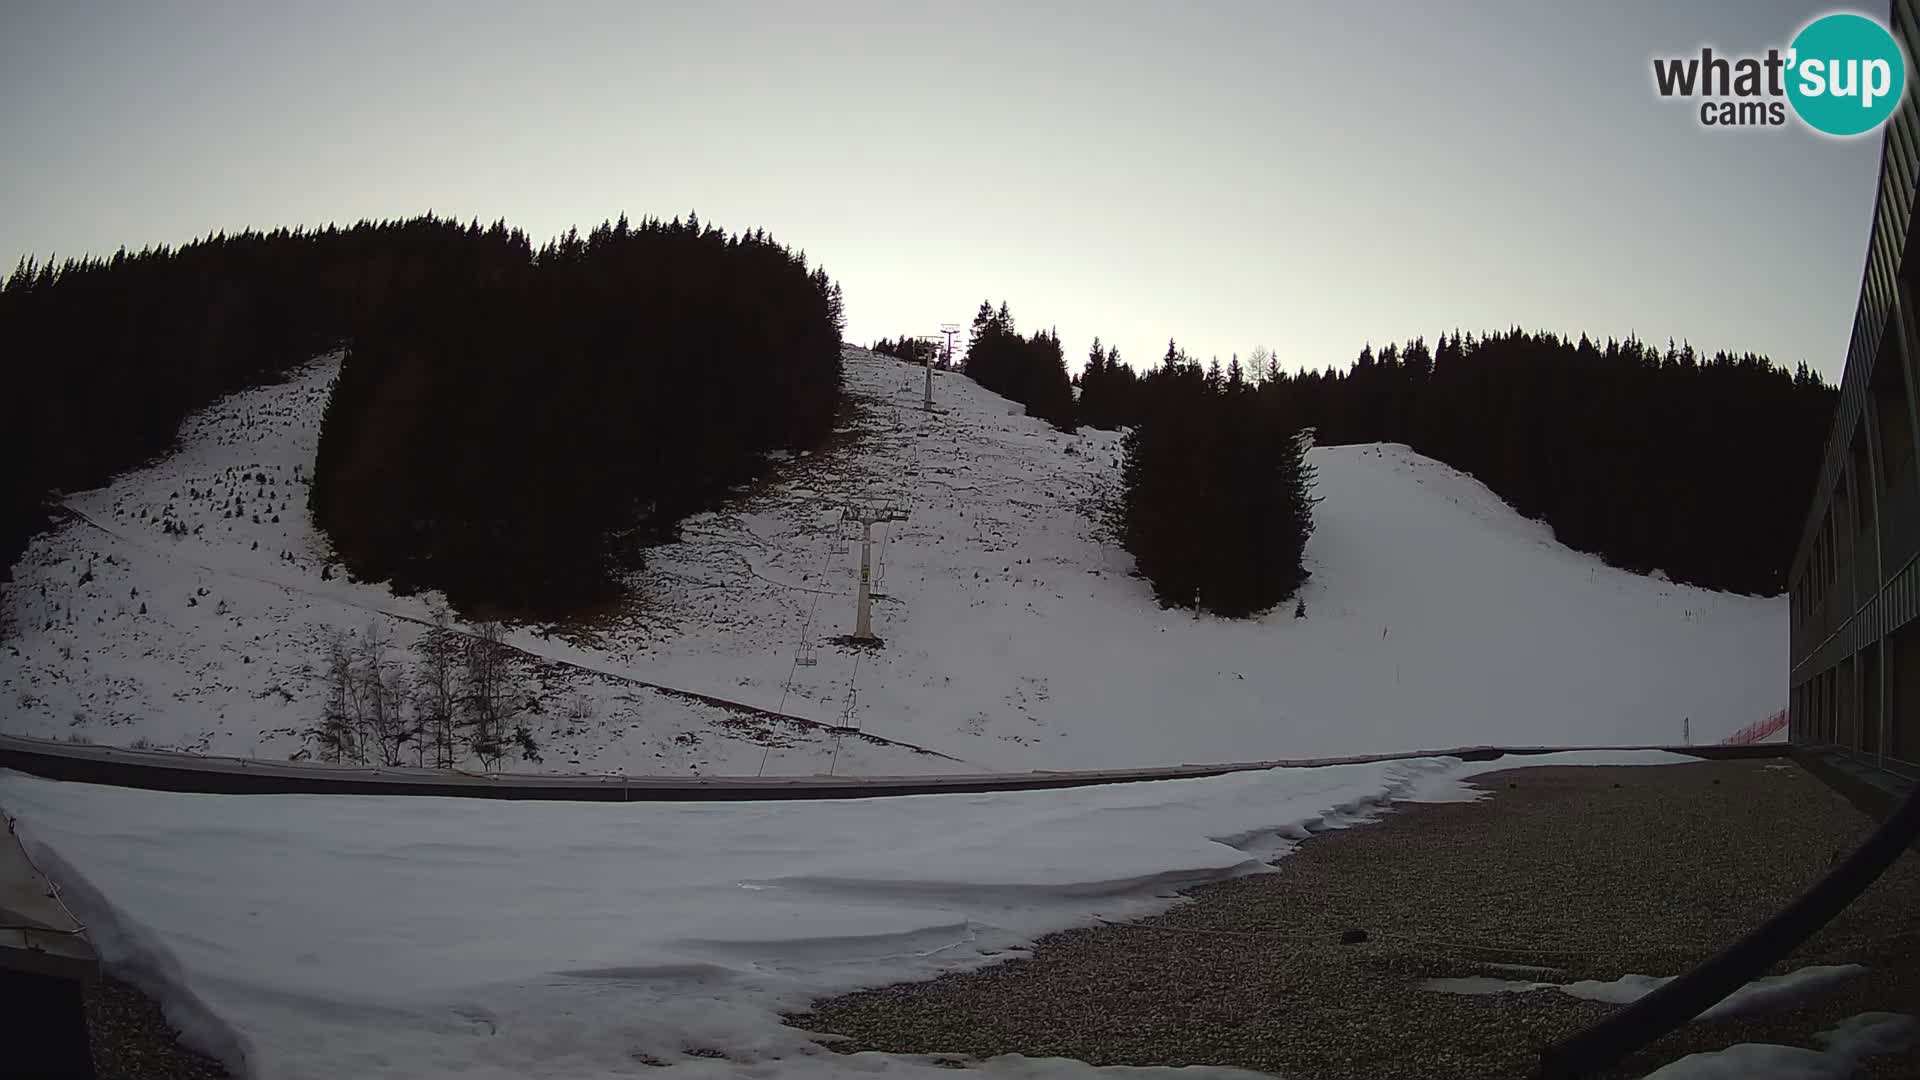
(1095, 402)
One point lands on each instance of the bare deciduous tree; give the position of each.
(437, 690)
(397, 730)
(460, 697)
(487, 693)
(1257, 363)
(336, 733)
(383, 720)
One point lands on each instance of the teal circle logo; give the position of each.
(1845, 74)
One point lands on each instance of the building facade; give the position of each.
(1854, 590)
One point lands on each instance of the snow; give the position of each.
(1761, 995)
(1016, 638)
(225, 658)
(320, 936)
(1480, 985)
(1857, 1038)
(1872, 1033)
(1757, 1061)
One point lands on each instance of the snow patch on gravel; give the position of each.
(1846, 1047)
(1761, 995)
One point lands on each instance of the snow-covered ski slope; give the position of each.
(187, 606)
(1015, 637)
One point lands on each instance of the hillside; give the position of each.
(155, 615)
(1015, 638)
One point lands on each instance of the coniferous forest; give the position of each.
(517, 442)
(1109, 389)
(508, 424)
(103, 357)
(1698, 466)
(512, 426)
(912, 350)
(1216, 499)
(1030, 370)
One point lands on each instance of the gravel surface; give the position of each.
(1583, 872)
(132, 1041)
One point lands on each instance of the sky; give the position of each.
(1303, 176)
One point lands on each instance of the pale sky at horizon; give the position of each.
(1230, 174)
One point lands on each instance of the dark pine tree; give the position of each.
(518, 443)
(1216, 496)
(1030, 370)
(103, 357)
